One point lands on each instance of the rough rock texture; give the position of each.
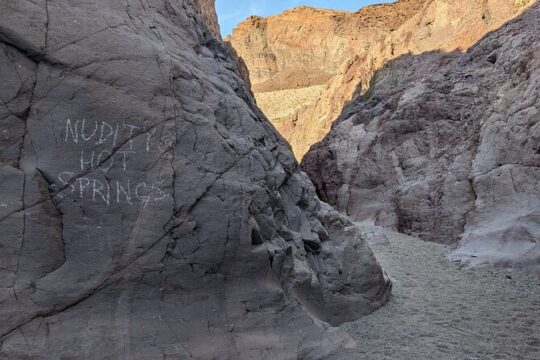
(207, 8)
(148, 210)
(447, 147)
(319, 58)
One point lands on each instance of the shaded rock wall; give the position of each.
(321, 57)
(446, 147)
(147, 208)
(207, 8)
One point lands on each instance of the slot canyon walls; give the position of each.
(438, 144)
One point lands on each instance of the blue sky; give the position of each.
(231, 12)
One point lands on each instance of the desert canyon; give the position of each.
(444, 162)
(320, 184)
(306, 63)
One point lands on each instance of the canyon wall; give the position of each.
(305, 64)
(148, 209)
(446, 146)
(207, 9)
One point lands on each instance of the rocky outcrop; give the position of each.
(148, 209)
(207, 9)
(316, 59)
(447, 146)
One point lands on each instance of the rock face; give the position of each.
(306, 63)
(207, 8)
(447, 147)
(148, 209)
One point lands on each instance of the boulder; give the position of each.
(148, 209)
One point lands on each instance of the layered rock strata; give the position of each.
(316, 59)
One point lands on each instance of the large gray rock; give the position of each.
(148, 210)
(446, 146)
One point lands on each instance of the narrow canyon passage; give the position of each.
(149, 209)
(426, 122)
(443, 310)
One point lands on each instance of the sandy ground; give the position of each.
(445, 310)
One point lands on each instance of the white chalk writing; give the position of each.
(106, 141)
(107, 192)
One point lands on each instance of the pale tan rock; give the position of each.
(307, 47)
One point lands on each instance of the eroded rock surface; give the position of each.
(305, 64)
(447, 147)
(148, 209)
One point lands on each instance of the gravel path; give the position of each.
(443, 310)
